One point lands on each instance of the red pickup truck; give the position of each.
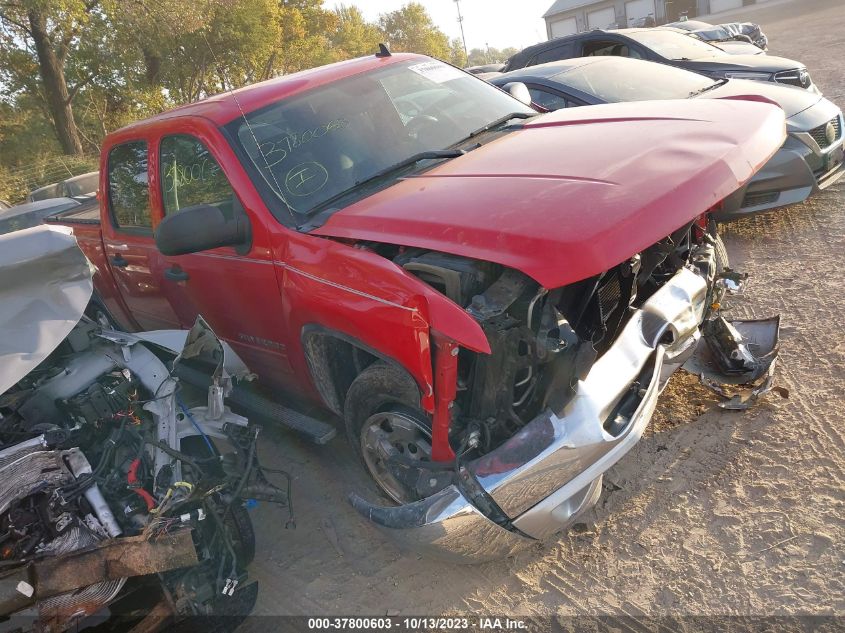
(490, 298)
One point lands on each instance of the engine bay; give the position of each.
(542, 340)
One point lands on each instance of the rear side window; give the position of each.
(554, 54)
(129, 195)
(190, 176)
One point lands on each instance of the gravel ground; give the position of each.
(713, 513)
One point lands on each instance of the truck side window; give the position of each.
(129, 195)
(190, 176)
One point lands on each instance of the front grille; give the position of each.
(798, 77)
(756, 199)
(609, 295)
(828, 133)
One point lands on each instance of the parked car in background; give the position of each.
(486, 68)
(810, 159)
(31, 214)
(406, 245)
(82, 186)
(666, 46)
(718, 33)
(644, 22)
(724, 39)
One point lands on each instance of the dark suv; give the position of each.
(666, 46)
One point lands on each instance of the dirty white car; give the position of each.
(113, 492)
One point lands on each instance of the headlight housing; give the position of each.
(753, 76)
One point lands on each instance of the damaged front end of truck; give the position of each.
(592, 370)
(592, 281)
(116, 501)
(570, 385)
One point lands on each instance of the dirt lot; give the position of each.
(713, 512)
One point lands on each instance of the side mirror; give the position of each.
(519, 91)
(200, 228)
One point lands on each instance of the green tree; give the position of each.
(38, 41)
(457, 54)
(480, 56)
(354, 36)
(411, 30)
(305, 42)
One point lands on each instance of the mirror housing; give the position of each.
(200, 228)
(518, 91)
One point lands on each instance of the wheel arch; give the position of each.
(335, 359)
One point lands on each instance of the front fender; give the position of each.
(365, 296)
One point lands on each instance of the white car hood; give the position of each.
(45, 285)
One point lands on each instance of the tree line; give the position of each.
(71, 71)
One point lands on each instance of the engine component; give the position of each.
(114, 454)
(501, 294)
(456, 277)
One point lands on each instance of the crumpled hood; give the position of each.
(577, 191)
(45, 285)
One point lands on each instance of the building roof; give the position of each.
(561, 6)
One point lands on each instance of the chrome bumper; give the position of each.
(545, 476)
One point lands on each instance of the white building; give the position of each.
(565, 17)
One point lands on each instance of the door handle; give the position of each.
(176, 274)
(119, 261)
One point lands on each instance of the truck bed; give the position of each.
(87, 213)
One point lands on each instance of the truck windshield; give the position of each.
(305, 150)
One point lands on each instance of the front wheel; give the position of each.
(387, 428)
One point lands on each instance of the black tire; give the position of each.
(379, 387)
(722, 260)
(382, 408)
(237, 519)
(97, 312)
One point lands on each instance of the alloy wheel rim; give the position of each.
(388, 434)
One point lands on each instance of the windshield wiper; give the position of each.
(713, 86)
(411, 160)
(501, 121)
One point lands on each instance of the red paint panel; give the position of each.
(91, 242)
(446, 388)
(576, 191)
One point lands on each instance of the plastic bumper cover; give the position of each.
(797, 171)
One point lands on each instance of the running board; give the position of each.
(315, 430)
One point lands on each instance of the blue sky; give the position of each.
(499, 23)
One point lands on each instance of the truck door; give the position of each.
(236, 292)
(128, 237)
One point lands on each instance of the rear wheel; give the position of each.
(722, 260)
(387, 428)
(237, 521)
(98, 312)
